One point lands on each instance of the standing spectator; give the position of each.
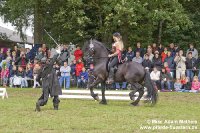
(4, 74)
(164, 54)
(195, 85)
(14, 56)
(65, 50)
(147, 64)
(190, 64)
(193, 50)
(22, 60)
(157, 62)
(176, 49)
(78, 53)
(139, 49)
(165, 78)
(45, 50)
(172, 49)
(83, 78)
(17, 51)
(65, 75)
(177, 85)
(154, 48)
(79, 67)
(149, 52)
(180, 64)
(170, 62)
(160, 49)
(137, 58)
(2, 55)
(73, 72)
(19, 79)
(129, 54)
(155, 76)
(28, 54)
(40, 54)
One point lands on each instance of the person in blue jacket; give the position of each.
(83, 78)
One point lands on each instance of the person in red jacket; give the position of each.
(79, 66)
(78, 53)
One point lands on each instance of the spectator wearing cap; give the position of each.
(137, 58)
(164, 54)
(78, 53)
(147, 64)
(193, 50)
(157, 62)
(129, 54)
(180, 64)
(139, 49)
(190, 64)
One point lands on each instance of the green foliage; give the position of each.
(138, 20)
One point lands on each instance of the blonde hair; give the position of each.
(195, 78)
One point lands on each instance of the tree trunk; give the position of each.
(38, 23)
(160, 31)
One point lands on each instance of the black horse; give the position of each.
(131, 72)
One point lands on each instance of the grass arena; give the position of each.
(174, 112)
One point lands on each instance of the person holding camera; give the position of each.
(22, 60)
(180, 64)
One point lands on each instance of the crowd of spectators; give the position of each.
(171, 68)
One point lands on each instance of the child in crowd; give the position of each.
(83, 78)
(35, 83)
(177, 85)
(195, 85)
(165, 78)
(29, 73)
(4, 74)
(186, 84)
(13, 74)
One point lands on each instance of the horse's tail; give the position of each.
(152, 94)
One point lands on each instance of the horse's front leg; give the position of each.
(91, 86)
(103, 101)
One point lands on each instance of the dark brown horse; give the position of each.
(131, 72)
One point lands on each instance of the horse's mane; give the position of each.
(101, 44)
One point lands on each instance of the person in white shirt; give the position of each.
(65, 75)
(155, 76)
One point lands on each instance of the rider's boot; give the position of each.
(110, 79)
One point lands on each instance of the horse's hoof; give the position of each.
(96, 97)
(134, 104)
(103, 102)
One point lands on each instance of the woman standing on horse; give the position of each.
(115, 57)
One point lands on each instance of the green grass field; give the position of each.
(87, 116)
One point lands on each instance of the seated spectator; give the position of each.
(4, 75)
(73, 72)
(164, 54)
(65, 75)
(22, 61)
(155, 76)
(149, 52)
(186, 84)
(165, 65)
(157, 62)
(177, 85)
(35, 82)
(193, 50)
(123, 87)
(12, 74)
(147, 64)
(129, 54)
(14, 56)
(20, 80)
(137, 58)
(83, 78)
(195, 85)
(190, 64)
(45, 50)
(165, 78)
(29, 73)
